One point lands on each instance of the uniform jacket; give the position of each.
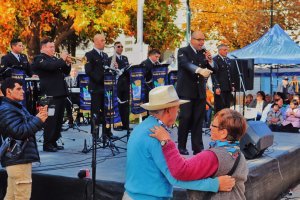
(94, 68)
(9, 60)
(189, 84)
(123, 81)
(52, 72)
(223, 79)
(17, 123)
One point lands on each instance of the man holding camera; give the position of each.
(52, 71)
(21, 127)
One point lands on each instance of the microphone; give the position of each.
(234, 56)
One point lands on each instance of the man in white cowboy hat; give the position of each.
(147, 174)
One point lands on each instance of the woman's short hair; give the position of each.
(233, 122)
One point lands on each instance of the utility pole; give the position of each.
(140, 27)
(188, 21)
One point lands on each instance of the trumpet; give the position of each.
(73, 58)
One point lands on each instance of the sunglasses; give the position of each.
(119, 46)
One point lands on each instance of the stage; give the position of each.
(56, 176)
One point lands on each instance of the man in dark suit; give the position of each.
(123, 85)
(73, 98)
(222, 79)
(15, 59)
(97, 62)
(194, 66)
(52, 71)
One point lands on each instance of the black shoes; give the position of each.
(58, 146)
(49, 148)
(183, 151)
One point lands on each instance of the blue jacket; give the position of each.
(147, 173)
(16, 122)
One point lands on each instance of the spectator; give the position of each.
(249, 99)
(295, 84)
(278, 98)
(259, 103)
(285, 88)
(275, 118)
(17, 124)
(292, 121)
(209, 106)
(227, 128)
(147, 174)
(268, 98)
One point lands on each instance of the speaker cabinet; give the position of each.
(256, 140)
(246, 67)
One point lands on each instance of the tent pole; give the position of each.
(271, 89)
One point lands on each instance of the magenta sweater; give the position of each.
(202, 165)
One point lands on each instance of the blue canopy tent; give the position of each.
(274, 48)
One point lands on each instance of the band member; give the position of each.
(51, 71)
(72, 82)
(123, 85)
(95, 66)
(147, 65)
(194, 66)
(15, 59)
(222, 81)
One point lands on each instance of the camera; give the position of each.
(45, 100)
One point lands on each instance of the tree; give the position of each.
(240, 22)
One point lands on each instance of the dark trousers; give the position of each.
(53, 124)
(97, 108)
(289, 128)
(123, 95)
(222, 101)
(70, 101)
(191, 118)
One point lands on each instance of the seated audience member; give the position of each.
(227, 129)
(292, 121)
(278, 98)
(249, 99)
(73, 98)
(268, 98)
(274, 119)
(259, 103)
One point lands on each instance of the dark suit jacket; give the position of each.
(189, 84)
(9, 60)
(94, 68)
(222, 79)
(52, 72)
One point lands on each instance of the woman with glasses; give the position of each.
(222, 158)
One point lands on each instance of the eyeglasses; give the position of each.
(214, 126)
(119, 46)
(276, 99)
(199, 39)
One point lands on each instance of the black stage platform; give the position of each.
(55, 178)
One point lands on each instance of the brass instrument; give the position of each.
(74, 59)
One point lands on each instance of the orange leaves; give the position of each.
(240, 21)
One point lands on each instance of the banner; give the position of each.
(20, 75)
(112, 116)
(85, 96)
(173, 78)
(160, 75)
(137, 89)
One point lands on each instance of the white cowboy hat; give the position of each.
(163, 97)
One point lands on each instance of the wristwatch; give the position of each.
(163, 142)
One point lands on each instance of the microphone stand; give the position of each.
(95, 132)
(241, 82)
